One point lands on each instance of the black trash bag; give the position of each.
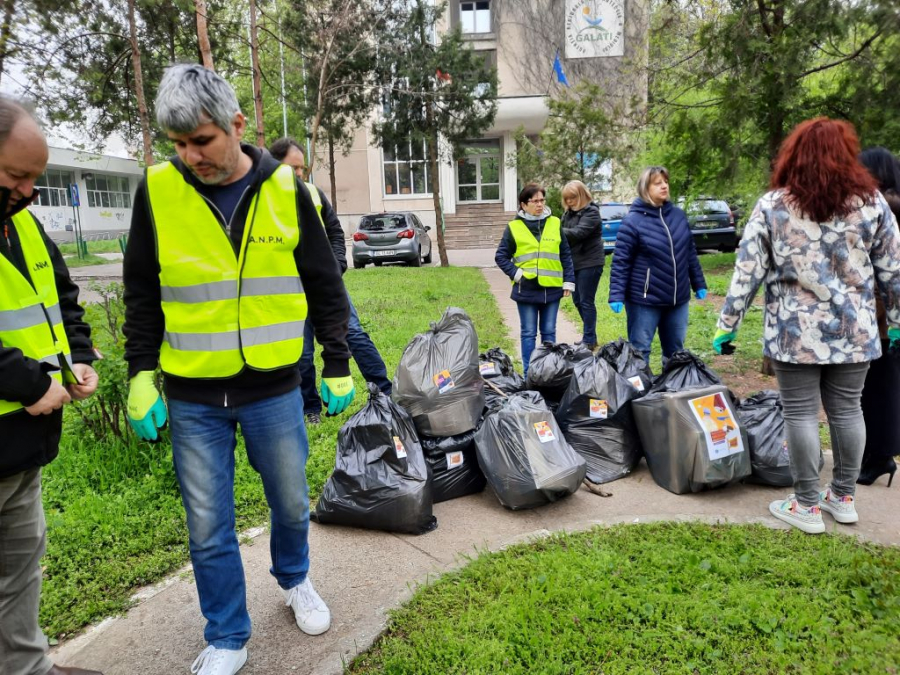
(497, 369)
(628, 362)
(763, 418)
(595, 417)
(692, 439)
(551, 366)
(525, 456)
(380, 479)
(453, 462)
(682, 371)
(438, 380)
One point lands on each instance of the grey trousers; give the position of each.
(839, 387)
(23, 646)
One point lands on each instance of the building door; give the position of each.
(478, 171)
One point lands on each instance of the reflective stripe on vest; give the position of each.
(225, 311)
(539, 259)
(30, 316)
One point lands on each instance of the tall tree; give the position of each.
(256, 78)
(436, 91)
(203, 34)
(139, 86)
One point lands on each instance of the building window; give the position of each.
(108, 192)
(53, 186)
(475, 17)
(406, 170)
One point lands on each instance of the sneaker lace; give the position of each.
(208, 660)
(306, 599)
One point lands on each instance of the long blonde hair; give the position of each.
(577, 189)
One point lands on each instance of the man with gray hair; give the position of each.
(225, 257)
(45, 357)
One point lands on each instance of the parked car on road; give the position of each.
(712, 223)
(611, 214)
(391, 237)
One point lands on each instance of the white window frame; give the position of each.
(118, 198)
(62, 194)
(393, 165)
(474, 20)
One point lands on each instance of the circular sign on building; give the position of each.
(594, 28)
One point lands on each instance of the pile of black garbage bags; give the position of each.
(459, 419)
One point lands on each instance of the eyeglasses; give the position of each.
(536, 201)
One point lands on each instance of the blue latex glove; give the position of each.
(146, 409)
(337, 394)
(894, 337)
(722, 342)
(701, 294)
(617, 307)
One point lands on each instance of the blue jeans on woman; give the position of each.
(530, 317)
(203, 444)
(586, 282)
(644, 320)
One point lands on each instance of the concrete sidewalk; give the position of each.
(363, 574)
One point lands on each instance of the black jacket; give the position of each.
(583, 231)
(335, 232)
(30, 441)
(319, 271)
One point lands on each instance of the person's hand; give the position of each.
(701, 294)
(617, 307)
(894, 337)
(146, 409)
(566, 294)
(88, 378)
(722, 342)
(337, 394)
(54, 399)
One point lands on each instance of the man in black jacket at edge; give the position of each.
(30, 398)
(222, 311)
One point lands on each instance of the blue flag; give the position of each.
(557, 68)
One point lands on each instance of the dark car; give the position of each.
(611, 214)
(391, 237)
(712, 224)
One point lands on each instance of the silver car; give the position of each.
(391, 237)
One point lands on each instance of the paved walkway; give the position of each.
(363, 574)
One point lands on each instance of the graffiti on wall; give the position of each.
(57, 220)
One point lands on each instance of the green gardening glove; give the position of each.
(337, 394)
(722, 341)
(894, 337)
(146, 409)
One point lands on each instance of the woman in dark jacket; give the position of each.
(534, 254)
(581, 225)
(655, 267)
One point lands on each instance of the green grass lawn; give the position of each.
(98, 246)
(90, 259)
(661, 598)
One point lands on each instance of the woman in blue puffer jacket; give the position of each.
(655, 267)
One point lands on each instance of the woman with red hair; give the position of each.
(820, 241)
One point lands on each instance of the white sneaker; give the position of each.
(842, 509)
(312, 614)
(214, 661)
(807, 519)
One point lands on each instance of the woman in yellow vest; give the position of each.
(536, 257)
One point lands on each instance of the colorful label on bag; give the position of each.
(487, 368)
(443, 381)
(544, 432)
(636, 382)
(398, 446)
(723, 434)
(599, 409)
(455, 460)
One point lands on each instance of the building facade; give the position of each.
(602, 41)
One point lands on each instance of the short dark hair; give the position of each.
(280, 148)
(530, 191)
(11, 111)
(883, 166)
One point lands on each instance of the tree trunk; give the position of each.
(139, 86)
(435, 183)
(331, 171)
(257, 77)
(203, 34)
(6, 31)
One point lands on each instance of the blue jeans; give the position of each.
(586, 282)
(644, 320)
(203, 443)
(364, 352)
(528, 317)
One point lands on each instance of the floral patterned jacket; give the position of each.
(820, 280)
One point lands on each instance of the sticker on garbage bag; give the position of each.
(636, 382)
(544, 432)
(487, 368)
(723, 434)
(599, 408)
(398, 446)
(455, 460)
(443, 381)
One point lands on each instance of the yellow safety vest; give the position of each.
(539, 259)
(225, 311)
(30, 316)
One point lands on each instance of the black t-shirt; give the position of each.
(227, 197)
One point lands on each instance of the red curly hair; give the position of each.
(818, 165)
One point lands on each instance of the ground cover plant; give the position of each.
(660, 598)
(95, 246)
(114, 514)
